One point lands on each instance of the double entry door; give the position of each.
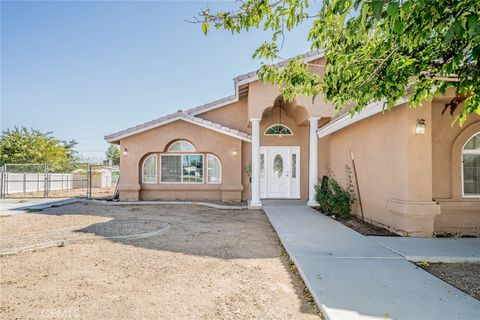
(280, 172)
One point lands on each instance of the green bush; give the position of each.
(332, 198)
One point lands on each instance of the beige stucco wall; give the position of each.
(394, 168)
(459, 215)
(262, 95)
(410, 183)
(156, 140)
(234, 115)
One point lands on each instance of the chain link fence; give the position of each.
(58, 180)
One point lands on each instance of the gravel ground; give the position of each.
(210, 264)
(464, 276)
(363, 227)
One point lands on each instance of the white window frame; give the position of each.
(181, 161)
(178, 141)
(470, 196)
(221, 169)
(275, 134)
(156, 169)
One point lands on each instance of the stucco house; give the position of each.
(417, 174)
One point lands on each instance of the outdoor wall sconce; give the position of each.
(420, 127)
(234, 151)
(125, 152)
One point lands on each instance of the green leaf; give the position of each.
(377, 8)
(205, 27)
(392, 9)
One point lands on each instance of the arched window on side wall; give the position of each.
(149, 169)
(471, 167)
(214, 169)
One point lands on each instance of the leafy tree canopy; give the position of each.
(113, 154)
(377, 50)
(23, 145)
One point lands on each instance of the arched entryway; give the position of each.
(284, 152)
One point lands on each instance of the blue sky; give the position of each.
(86, 69)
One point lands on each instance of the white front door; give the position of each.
(280, 172)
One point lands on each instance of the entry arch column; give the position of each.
(255, 197)
(313, 161)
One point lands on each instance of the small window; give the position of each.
(149, 169)
(181, 145)
(214, 169)
(278, 129)
(278, 166)
(471, 167)
(262, 165)
(294, 165)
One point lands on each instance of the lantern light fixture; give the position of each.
(421, 127)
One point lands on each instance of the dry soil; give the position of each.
(210, 264)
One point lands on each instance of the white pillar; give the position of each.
(313, 162)
(255, 201)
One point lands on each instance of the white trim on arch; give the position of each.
(468, 151)
(189, 145)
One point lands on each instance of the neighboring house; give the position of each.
(413, 182)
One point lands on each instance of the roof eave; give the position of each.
(115, 138)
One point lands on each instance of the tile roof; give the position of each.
(205, 106)
(311, 55)
(179, 115)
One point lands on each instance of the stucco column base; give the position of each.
(129, 192)
(312, 204)
(254, 206)
(413, 218)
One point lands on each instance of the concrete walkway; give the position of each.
(434, 249)
(354, 277)
(14, 206)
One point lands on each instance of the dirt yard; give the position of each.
(99, 193)
(182, 262)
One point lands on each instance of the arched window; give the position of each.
(181, 164)
(278, 130)
(214, 169)
(149, 169)
(181, 146)
(471, 167)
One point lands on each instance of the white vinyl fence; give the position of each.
(70, 179)
(35, 182)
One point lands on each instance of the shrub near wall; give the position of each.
(333, 199)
